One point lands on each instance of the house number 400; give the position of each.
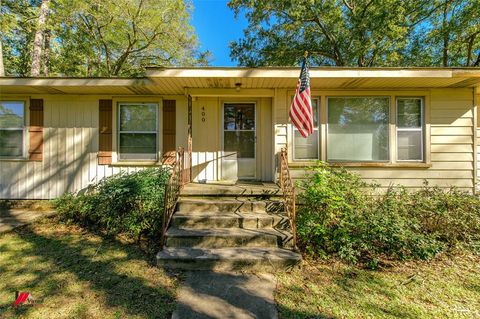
(203, 113)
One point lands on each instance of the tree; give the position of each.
(38, 41)
(18, 27)
(2, 68)
(99, 37)
(340, 33)
(453, 35)
(360, 32)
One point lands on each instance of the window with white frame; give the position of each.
(409, 129)
(137, 131)
(12, 129)
(307, 148)
(357, 129)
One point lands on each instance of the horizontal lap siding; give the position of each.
(451, 138)
(477, 103)
(452, 147)
(69, 153)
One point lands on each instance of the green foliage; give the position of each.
(124, 203)
(341, 216)
(101, 37)
(359, 33)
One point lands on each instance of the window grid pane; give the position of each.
(410, 129)
(12, 124)
(138, 118)
(358, 129)
(138, 131)
(11, 143)
(12, 114)
(307, 148)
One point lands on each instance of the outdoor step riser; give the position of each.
(260, 240)
(230, 207)
(225, 222)
(228, 265)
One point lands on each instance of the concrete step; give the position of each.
(238, 190)
(227, 220)
(226, 237)
(235, 258)
(228, 205)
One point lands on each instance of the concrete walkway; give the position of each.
(230, 295)
(12, 218)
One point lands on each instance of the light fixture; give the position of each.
(237, 86)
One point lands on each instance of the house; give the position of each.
(391, 125)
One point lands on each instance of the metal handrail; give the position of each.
(288, 189)
(179, 177)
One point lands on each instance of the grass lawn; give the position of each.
(73, 273)
(444, 288)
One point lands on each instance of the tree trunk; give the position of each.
(446, 34)
(38, 40)
(46, 53)
(2, 68)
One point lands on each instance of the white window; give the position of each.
(409, 129)
(12, 129)
(357, 129)
(137, 131)
(307, 148)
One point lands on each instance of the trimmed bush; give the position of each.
(131, 204)
(340, 216)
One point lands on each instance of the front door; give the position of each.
(239, 141)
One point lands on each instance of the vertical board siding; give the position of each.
(70, 147)
(451, 141)
(207, 135)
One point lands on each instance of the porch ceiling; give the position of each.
(178, 80)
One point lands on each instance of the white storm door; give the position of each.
(239, 141)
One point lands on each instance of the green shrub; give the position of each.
(341, 216)
(452, 216)
(131, 204)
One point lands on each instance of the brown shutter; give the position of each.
(169, 130)
(35, 130)
(105, 132)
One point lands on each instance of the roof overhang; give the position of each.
(180, 80)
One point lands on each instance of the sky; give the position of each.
(216, 27)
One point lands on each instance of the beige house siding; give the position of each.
(449, 128)
(477, 137)
(207, 135)
(71, 140)
(70, 149)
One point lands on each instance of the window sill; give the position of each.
(20, 159)
(365, 164)
(137, 163)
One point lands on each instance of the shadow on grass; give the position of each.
(51, 261)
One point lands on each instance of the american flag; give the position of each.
(301, 108)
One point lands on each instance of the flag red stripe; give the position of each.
(301, 112)
(303, 108)
(301, 116)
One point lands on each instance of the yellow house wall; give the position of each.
(71, 142)
(450, 149)
(70, 148)
(207, 137)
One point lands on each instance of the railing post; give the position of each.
(288, 190)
